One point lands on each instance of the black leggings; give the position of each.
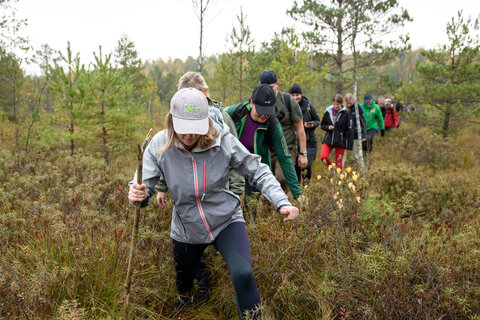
(233, 245)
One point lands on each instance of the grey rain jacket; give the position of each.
(198, 183)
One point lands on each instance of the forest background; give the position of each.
(402, 232)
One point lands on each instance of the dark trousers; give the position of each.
(233, 245)
(311, 155)
(371, 133)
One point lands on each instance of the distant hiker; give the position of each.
(392, 120)
(337, 123)
(261, 133)
(290, 116)
(311, 121)
(194, 155)
(374, 119)
(381, 104)
(399, 106)
(349, 103)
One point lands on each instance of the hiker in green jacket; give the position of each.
(261, 133)
(374, 119)
(290, 116)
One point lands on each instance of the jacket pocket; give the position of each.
(182, 226)
(219, 207)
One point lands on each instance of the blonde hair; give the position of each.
(194, 80)
(204, 141)
(349, 97)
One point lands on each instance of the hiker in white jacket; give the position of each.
(194, 155)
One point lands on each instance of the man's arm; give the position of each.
(302, 140)
(380, 119)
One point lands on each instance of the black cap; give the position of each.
(295, 88)
(367, 97)
(264, 99)
(268, 77)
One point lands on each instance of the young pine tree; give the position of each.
(66, 82)
(449, 80)
(113, 115)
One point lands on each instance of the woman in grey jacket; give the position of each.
(193, 155)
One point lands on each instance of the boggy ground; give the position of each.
(401, 241)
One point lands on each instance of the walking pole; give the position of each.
(136, 221)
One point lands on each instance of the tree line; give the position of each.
(97, 106)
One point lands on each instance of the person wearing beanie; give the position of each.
(291, 119)
(260, 131)
(311, 121)
(194, 155)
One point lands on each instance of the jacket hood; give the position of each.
(304, 102)
(329, 110)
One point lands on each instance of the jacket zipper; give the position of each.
(204, 179)
(335, 121)
(255, 140)
(195, 180)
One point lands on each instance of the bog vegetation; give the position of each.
(406, 233)
(400, 240)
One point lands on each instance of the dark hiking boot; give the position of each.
(182, 303)
(203, 294)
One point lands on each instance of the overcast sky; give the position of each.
(169, 28)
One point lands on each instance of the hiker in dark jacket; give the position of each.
(311, 121)
(349, 103)
(194, 155)
(337, 123)
(381, 104)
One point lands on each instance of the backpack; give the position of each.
(280, 114)
(288, 102)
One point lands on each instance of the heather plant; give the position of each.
(397, 242)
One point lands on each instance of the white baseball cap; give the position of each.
(189, 109)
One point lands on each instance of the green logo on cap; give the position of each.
(190, 109)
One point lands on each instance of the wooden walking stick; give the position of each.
(136, 221)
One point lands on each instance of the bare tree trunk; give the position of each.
(200, 56)
(149, 107)
(105, 145)
(339, 57)
(446, 122)
(355, 94)
(104, 135)
(14, 105)
(72, 142)
(202, 10)
(35, 112)
(72, 130)
(241, 77)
